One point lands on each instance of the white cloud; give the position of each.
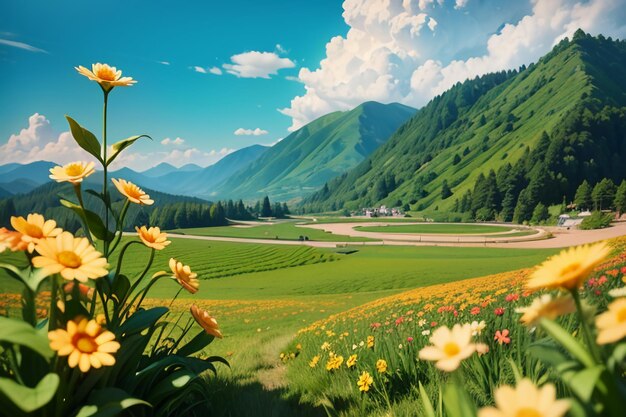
(22, 45)
(199, 69)
(215, 70)
(39, 142)
(256, 64)
(177, 141)
(250, 132)
(395, 50)
(164, 62)
(280, 49)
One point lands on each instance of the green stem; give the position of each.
(593, 348)
(120, 227)
(53, 307)
(105, 167)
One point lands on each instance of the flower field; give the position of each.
(379, 345)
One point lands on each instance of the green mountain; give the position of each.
(317, 152)
(537, 132)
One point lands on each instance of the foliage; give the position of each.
(597, 220)
(96, 350)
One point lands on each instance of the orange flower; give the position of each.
(85, 343)
(132, 192)
(34, 228)
(152, 237)
(182, 273)
(108, 77)
(208, 323)
(12, 240)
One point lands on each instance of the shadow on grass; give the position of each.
(238, 397)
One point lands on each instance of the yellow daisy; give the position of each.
(72, 257)
(450, 347)
(314, 360)
(351, 362)
(365, 382)
(381, 366)
(152, 237)
(85, 343)
(132, 192)
(74, 172)
(545, 306)
(206, 321)
(108, 77)
(526, 400)
(334, 362)
(569, 269)
(34, 228)
(612, 323)
(182, 273)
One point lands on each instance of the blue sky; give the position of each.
(278, 64)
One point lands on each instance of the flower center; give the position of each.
(69, 259)
(33, 231)
(451, 349)
(106, 74)
(86, 344)
(621, 315)
(74, 170)
(527, 412)
(133, 192)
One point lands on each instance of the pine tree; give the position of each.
(445, 190)
(266, 209)
(540, 214)
(620, 198)
(583, 199)
(603, 194)
(524, 208)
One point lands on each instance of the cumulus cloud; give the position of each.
(250, 132)
(177, 141)
(400, 50)
(256, 64)
(39, 142)
(22, 45)
(215, 70)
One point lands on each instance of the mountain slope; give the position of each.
(493, 122)
(317, 152)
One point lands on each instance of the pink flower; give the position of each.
(409, 339)
(512, 297)
(499, 311)
(474, 311)
(433, 323)
(399, 320)
(375, 325)
(602, 280)
(598, 292)
(456, 313)
(502, 337)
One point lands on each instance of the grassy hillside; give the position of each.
(486, 123)
(317, 152)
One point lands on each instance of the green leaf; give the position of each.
(584, 382)
(120, 287)
(199, 342)
(18, 332)
(456, 401)
(30, 399)
(109, 402)
(118, 147)
(568, 342)
(426, 404)
(96, 226)
(170, 385)
(141, 320)
(85, 138)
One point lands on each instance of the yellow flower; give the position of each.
(132, 192)
(325, 346)
(569, 269)
(87, 344)
(612, 323)
(72, 257)
(33, 228)
(477, 327)
(526, 400)
(208, 323)
(314, 361)
(10, 239)
(545, 306)
(74, 172)
(334, 362)
(152, 237)
(381, 366)
(370, 342)
(108, 77)
(365, 382)
(450, 347)
(182, 273)
(351, 362)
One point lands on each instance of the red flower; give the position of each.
(602, 280)
(499, 311)
(399, 320)
(512, 297)
(624, 270)
(474, 311)
(375, 325)
(409, 339)
(502, 337)
(433, 323)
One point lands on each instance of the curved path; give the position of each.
(562, 238)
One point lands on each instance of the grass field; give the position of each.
(260, 311)
(286, 230)
(429, 228)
